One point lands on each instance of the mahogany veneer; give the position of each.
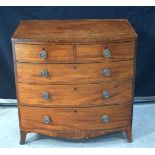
(74, 78)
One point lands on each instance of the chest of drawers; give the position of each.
(74, 78)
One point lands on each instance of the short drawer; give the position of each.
(105, 52)
(74, 73)
(95, 118)
(44, 53)
(75, 95)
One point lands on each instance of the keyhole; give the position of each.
(75, 88)
(75, 67)
(75, 111)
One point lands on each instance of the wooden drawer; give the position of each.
(37, 53)
(95, 118)
(74, 73)
(104, 52)
(75, 95)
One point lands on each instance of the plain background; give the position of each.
(141, 18)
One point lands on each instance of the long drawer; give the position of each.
(95, 118)
(75, 95)
(74, 73)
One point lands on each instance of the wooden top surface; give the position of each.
(91, 30)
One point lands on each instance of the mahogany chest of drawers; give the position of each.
(74, 78)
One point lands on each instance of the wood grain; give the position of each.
(82, 53)
(74, 73)
(74, 31)
(55, 53)
(94, 52)
(75, 118)
(76, 135)
(75, 95)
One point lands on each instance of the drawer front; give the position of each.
(96, 118)
(103, 52)
(44, 53)
(75, 95)
(74, 73)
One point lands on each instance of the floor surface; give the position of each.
(143, 132)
